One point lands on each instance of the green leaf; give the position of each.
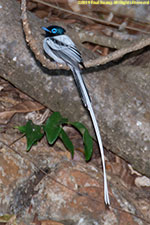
(22, 129)
(33, 133)
(88, 145)
(63, 121)
(87, 139)
(52, 127)
(67, 142)
(79, 126)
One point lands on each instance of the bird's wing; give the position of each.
(64, 48)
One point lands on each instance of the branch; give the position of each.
(119, 53)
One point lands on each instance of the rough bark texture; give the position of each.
(120, 92)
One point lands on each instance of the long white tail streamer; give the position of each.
(87, 102)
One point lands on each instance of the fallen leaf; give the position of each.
(24, 107)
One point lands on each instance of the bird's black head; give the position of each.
(53, 31)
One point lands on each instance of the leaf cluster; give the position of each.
(53, 128)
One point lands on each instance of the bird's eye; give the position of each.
(54, 30)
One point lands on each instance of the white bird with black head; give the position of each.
(62, 50)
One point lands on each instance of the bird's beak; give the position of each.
(44, 28)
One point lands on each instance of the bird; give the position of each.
(59, 47)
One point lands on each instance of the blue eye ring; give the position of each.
(54, 30)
